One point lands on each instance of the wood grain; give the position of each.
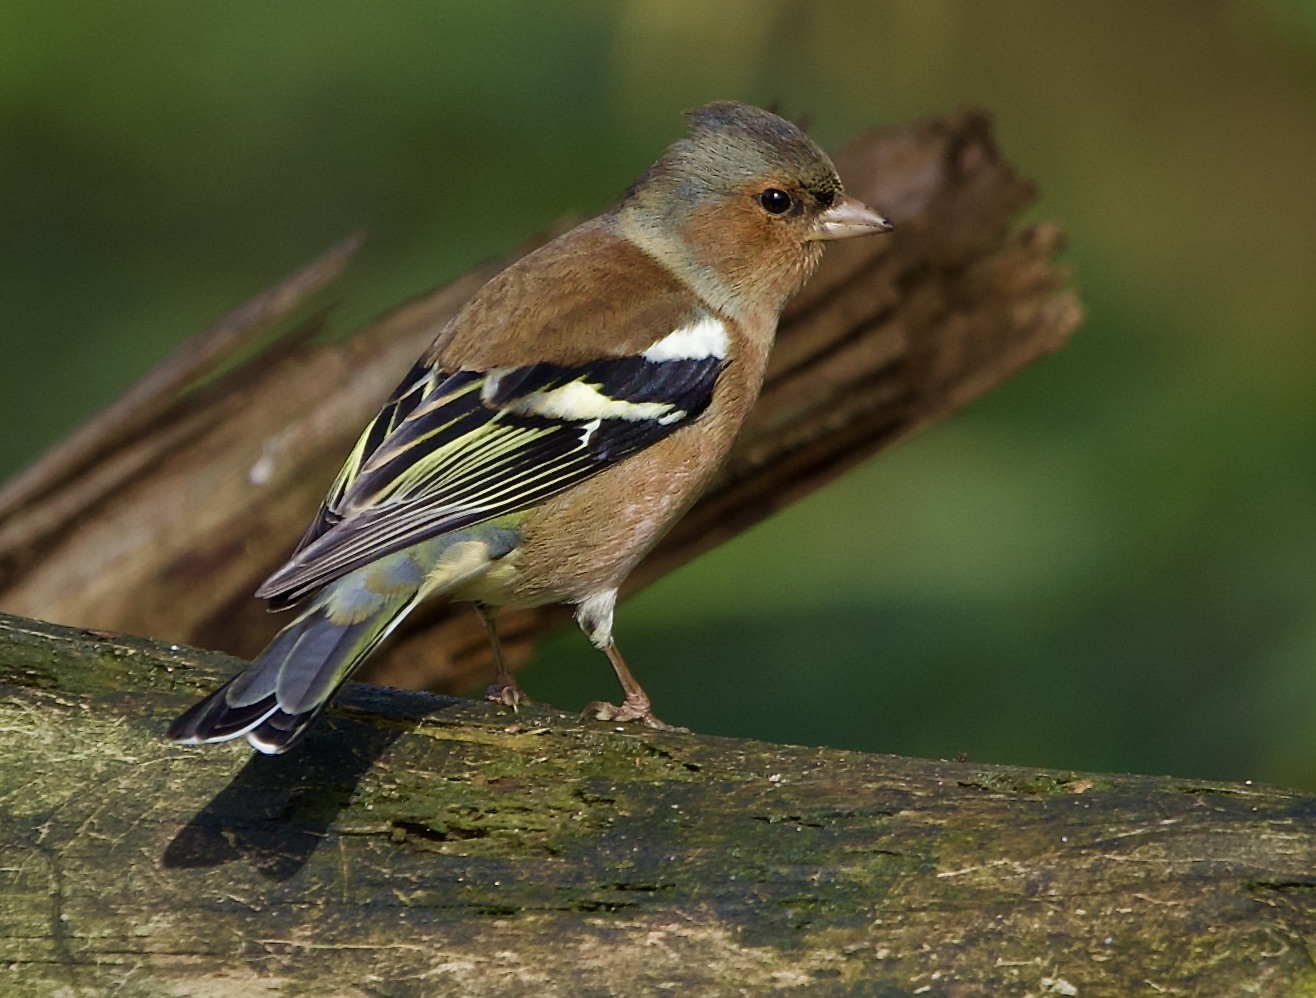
(416, 845)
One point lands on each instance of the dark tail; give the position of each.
(277, 697)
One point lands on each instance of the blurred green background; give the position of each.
(1107, 564)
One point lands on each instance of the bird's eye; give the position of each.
(775, 201)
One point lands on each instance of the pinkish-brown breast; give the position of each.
(590, 537)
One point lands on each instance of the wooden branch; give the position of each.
(167, 529)
(416, 845)
(154, 396)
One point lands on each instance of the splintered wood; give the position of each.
(163, 513)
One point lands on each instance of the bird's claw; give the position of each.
(508, 694)
(629, 711)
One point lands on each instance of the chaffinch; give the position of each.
(559, 425)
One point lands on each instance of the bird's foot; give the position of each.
(631, 709)
(506, 692)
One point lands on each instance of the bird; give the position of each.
(561, 422)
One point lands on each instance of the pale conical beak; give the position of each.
(849, 217)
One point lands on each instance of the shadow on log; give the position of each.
(420, 845)
(163, 514)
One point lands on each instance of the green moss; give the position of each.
(1010, 780)
(410, 833)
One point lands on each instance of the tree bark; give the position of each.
(165, 512)
(420, 845)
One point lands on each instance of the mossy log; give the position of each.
(421, 845)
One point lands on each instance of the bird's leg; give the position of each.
(635, 706)
(594, 616)
(505, 689)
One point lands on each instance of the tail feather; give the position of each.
(215, 720)
(284, 690)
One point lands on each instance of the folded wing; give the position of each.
(453, 448)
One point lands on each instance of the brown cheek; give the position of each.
(735, 242)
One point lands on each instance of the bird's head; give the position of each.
(743, 206)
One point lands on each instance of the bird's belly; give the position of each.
(588, 539)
